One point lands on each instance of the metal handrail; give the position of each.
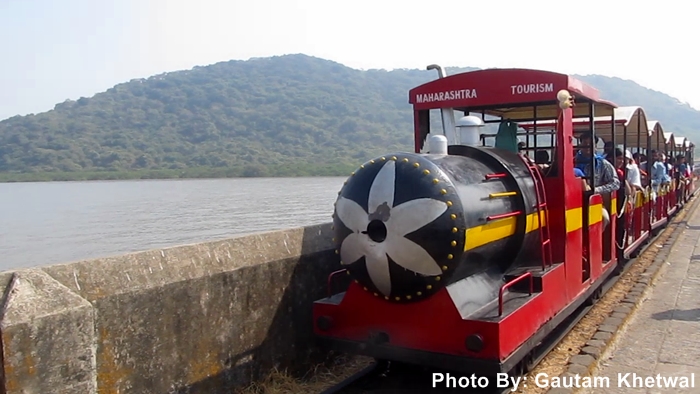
(330, 280)
(511, 283)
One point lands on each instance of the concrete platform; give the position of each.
(663, 336)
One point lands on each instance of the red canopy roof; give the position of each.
(503, 89)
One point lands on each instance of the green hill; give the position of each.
(286, 115)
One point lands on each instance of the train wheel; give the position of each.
(595, 297)
(383, 367)
(529, 363)
(620, 266)
(599, 294)
(519, 370)
(523, 367)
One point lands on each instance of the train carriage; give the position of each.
(659, 199)
(466, 257)
(682, 180)
(688, 153)
(669, 189)
(631, 134)
(634, 133)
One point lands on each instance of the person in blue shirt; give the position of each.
(606, 179)
(658, 173)
(604, 173)
(682, 166)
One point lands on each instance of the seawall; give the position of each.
(202, 318)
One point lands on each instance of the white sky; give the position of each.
(53, 50)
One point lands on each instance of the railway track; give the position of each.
(383, 377)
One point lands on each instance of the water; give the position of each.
(56, 222)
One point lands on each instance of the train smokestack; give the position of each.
(440, 70)
(448, 114)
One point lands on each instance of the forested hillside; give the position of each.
(287, 115)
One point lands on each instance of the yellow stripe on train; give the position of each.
(502, 228)
(497, 230)
(574, 219)
(595, 213)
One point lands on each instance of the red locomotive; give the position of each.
(467, 256)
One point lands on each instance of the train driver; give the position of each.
(605, 175)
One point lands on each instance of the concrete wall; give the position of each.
(203, 318)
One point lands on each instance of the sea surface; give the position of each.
(55, 222)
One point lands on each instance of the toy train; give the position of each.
(465, 256)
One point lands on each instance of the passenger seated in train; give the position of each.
(542, 159)
(671, 167)
(579, 174)
(640, 162)
(619, 165)
(681, 166)
(680, 174)
(608, 150)
(659, 173)
(634, 176)
(604, 173)
(683, 169)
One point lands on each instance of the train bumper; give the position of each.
(467, 365)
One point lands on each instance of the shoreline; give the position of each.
(289, 171)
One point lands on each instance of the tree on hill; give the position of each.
(285, 115)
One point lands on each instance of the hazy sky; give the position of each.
(53, 50)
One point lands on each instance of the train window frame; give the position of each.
(427, 122)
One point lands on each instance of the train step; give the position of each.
(523, 286)
(496, 310)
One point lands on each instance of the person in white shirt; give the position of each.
(633, 175)
(669, 166)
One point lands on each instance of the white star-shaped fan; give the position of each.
(399, 221)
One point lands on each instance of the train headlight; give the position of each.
(474, 343)
(324, 323)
